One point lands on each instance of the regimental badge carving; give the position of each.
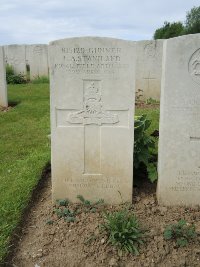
(150, 49)
(92, 112)
(37, 50)
(194, 66)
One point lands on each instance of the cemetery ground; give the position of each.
(33, 233)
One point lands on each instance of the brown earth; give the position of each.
(144, 105)
(80, 243)
(3, 109)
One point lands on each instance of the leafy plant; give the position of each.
(88, 202)
(84, 201)
(62, 202)
(143, 143)
(123, 231)
(41, 79)
(66, 213)
(13, 78)
(62, 211)
(182, 233)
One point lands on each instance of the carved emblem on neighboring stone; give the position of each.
(194, 66)
(92, 112)
(37, 50)
(150, 49)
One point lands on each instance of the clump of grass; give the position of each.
(182, 232)
(123, 231)
(41, 79)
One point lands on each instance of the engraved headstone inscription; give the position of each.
(92, 128)
(149, 69)
(3, 85)
(179, 143)
(38, 60)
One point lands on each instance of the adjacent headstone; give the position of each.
(149, 69)
(179, 143)
(38, 60)
(92, 126)
(15, 56)
(3, 85)
(28, 54)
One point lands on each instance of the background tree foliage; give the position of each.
(190, 26)
(169, 30)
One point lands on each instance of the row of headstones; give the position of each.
(93, 83)
(92, 126)
(34, 56)
(148, 65)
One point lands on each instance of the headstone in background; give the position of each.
(179, 143)
(92, 118)
(28, 54)
(15, 56)
(149, 69)
(38, 60)
(3, 85)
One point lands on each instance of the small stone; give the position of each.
(102, 241)
(162, 210)
(113, 262)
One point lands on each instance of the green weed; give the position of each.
(13, 78)
(143, 144)
(182, 233)
(123, 231)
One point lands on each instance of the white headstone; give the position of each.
(149, 69)
(3, 85)
(28, 54)
(179, 143)
(15, 56)
(92, 110)
(38, 60)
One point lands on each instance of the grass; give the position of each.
(24, 151)
(39, 80)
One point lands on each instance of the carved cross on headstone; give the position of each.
(149, 78)
(92, 117)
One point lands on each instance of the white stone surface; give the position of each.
(28, 54)
(179, 142)
(92, 126)
(38, 60)
(15, 56)
(3, 85)
(149, 68)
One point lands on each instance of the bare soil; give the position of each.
(3, 109)
(144, 105)
(80, 243)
